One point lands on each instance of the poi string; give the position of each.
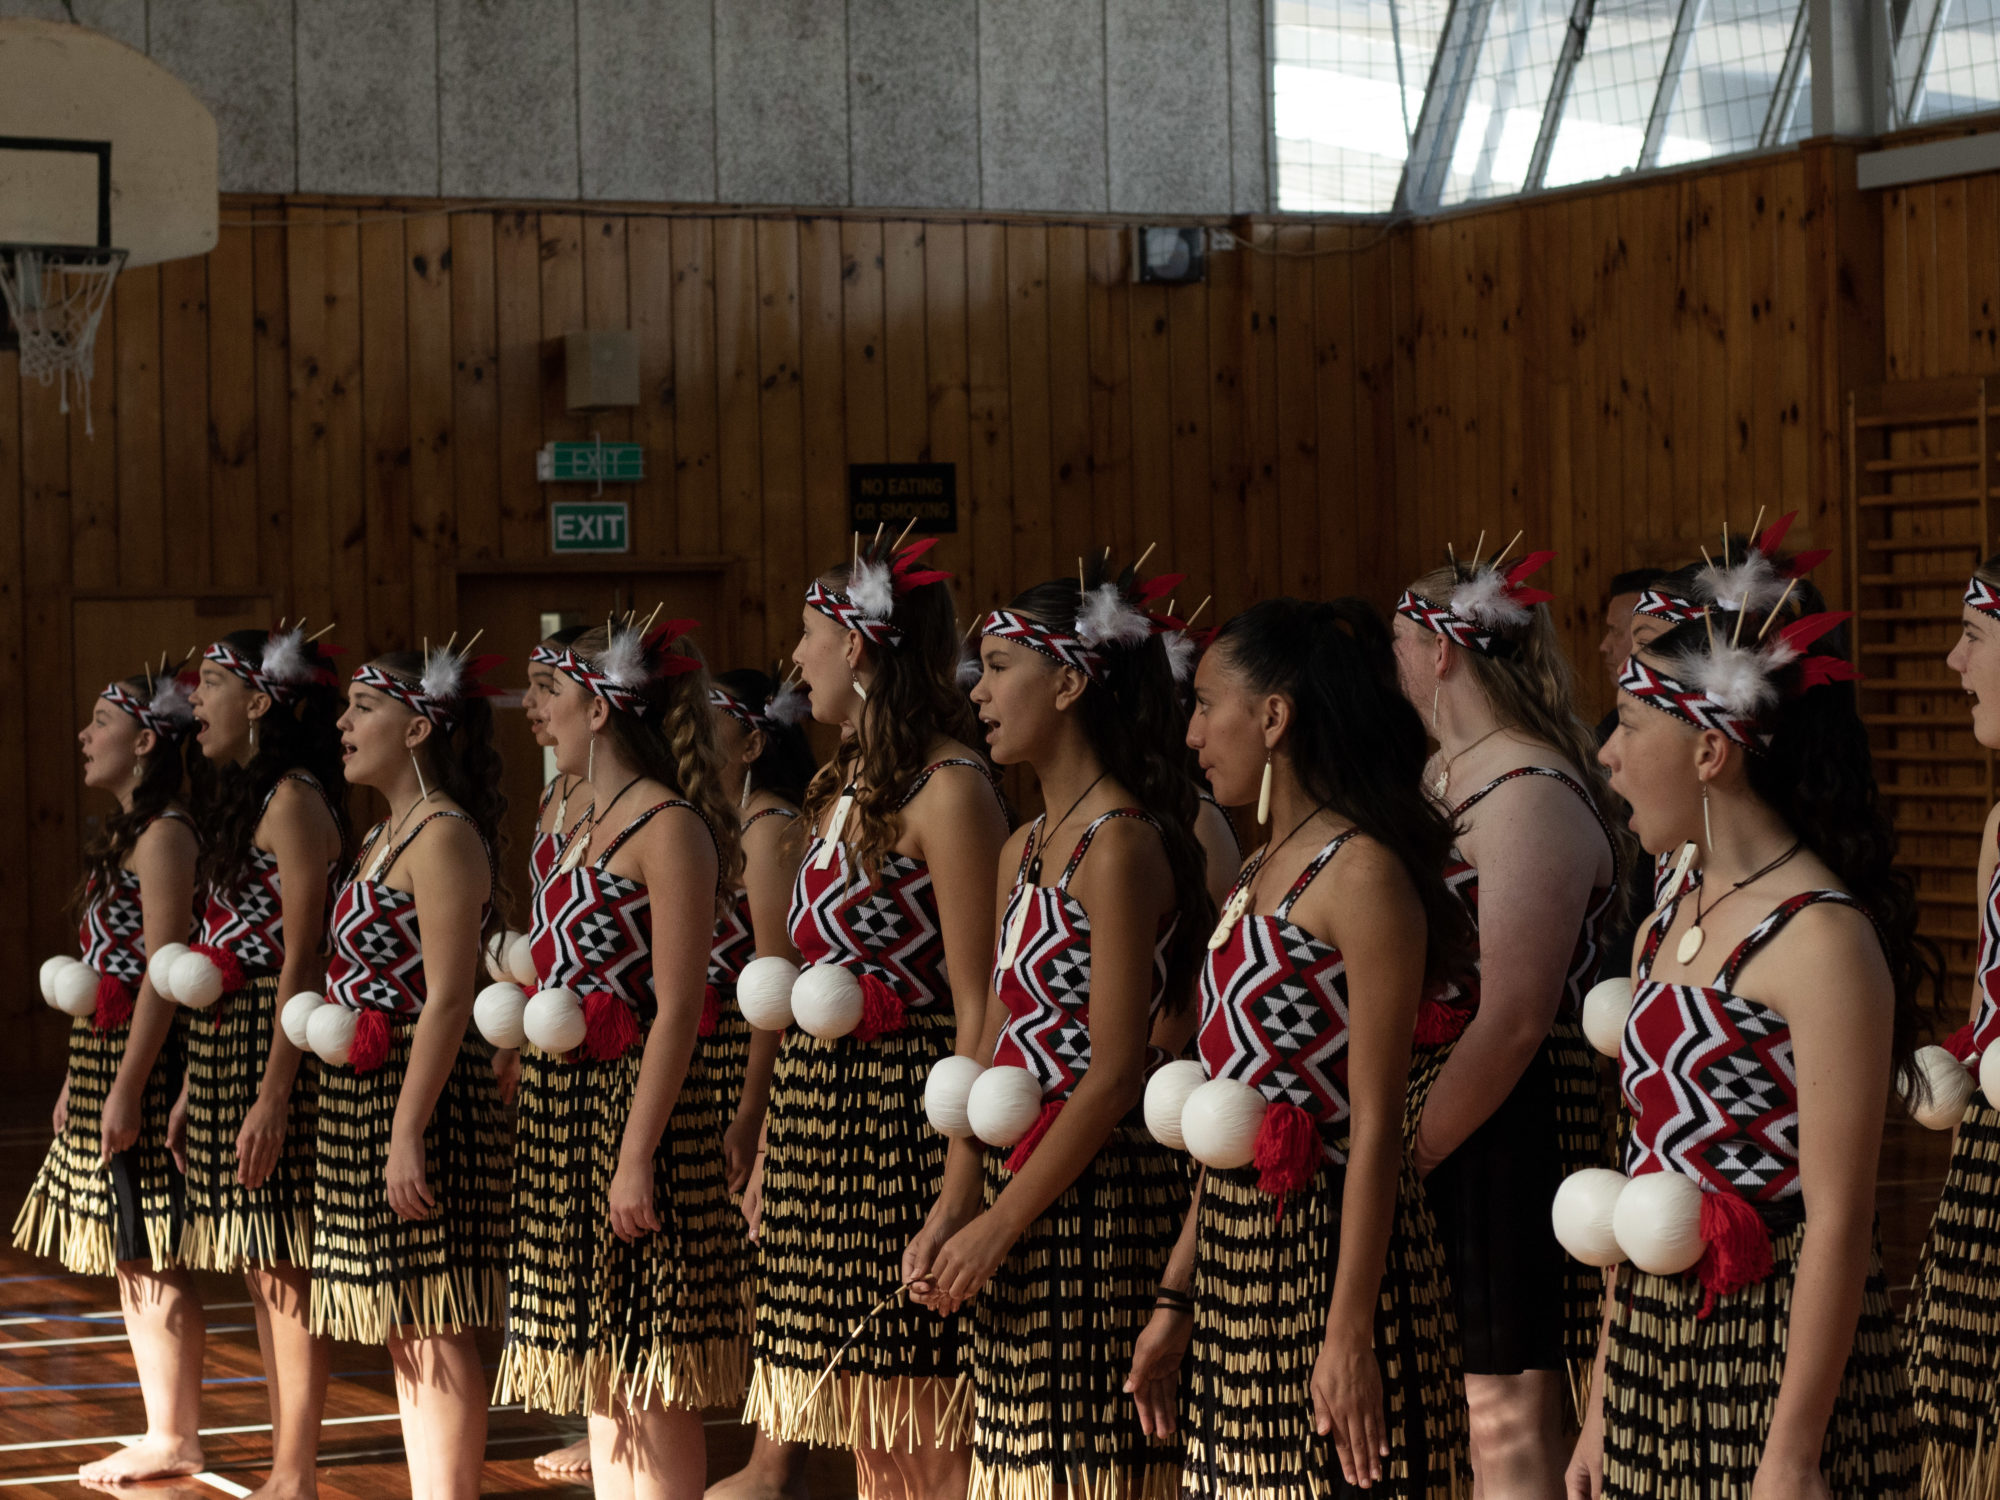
(849, 1344)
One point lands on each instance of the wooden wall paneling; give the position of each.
(1524, 432)
(1069, 393)
(1193, 501)
(184, 369)
(1559, 403)
(1108, 300)
(990, 476)
(312, 374)
(866, 335)
(697, 484)
(739, 469)
(1606, 520)
(235, 559)
(649, 280)
(1405, 413)
(1763, 480)
(135, 392)
(1334, 375)
(1416, 348)
(1584, 266)
(518, 334)
(18, 931)
(1791, 328)
(1920, 210)
(607, 306)
(1659, 251)
(906, 384)
(1953, 328)
(388, 543)
(427, 296)
(1298, 416)
(1982, 259)
(780, 417)
(1490, 345)
(93, 466)
(824, 407)
(1711, 354)
(1898, 349)
(273, 363)
(1151, 417)
(1226, 555)
(346, 580)
(1028, 402)
(562, 311)
(475, 391)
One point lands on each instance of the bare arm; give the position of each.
(1538, 852)
(164, 861)
(678, 864)
(450, 878)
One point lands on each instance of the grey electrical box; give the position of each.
(601, 366)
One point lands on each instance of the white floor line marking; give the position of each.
(105, 1338)
(128, 1439)
(104, 1316)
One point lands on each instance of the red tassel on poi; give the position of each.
(370, 1047)
(1025, 1146)
(881, 1010)
(1439, 1022)
(609, 1028)
(114, 1003)
(225, 965)
(1287, 1153)
(711, 1011)
(1739, 1247)
(1959, 1044)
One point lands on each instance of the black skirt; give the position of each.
(1522, 1303)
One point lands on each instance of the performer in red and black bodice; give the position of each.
(108, 1195)
(893, 915)
(766, 765)
(628, 1267)
(1747, 1345)
(1514, 1104)
(410, 1176)
(272, 837)
(1955, 1309)
(1302, 1339)
(1104, 909)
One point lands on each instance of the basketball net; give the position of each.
(56, 299)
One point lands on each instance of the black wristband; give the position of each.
(1166, 1296)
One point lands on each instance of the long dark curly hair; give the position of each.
(1133, 722)
(786, 763)
(1819, 776)
(912, 701)
(463, 764)
(176, 771)
(301, 735)
(1357, 745)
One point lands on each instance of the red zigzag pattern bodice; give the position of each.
(889, 930)
(1708, 1074)
(1274, 1010)
(112, 934)
(250, 922)
(1046, 989)
(378, 958)
(593, 930)
(1986, 1025)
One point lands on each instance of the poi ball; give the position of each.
(764, 992)
(946, 1093)
(521, 960)
(1166, 1098)
(826, 1001)
(1605, 1010)
(50, 968)
(1989, 1076)
(1220, 1123)
(1582, 1214)
(76, 989)
(197, 982)
(1942, 1104)
(553, 1020)
(1002, 1104)
(1658, 1223)
(159, 968)
(330, 1032)
(297, 1016)
(498, 1012)
(495, 949)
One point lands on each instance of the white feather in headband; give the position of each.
(872, 587)
(1487, 600)
(1743, 679)
(170, 701)
(286, 661)
(788, 705)
(443, 679)
(1754, 583)
(1108, 618)
(970, 669)
(623, 663)
(1181, 653)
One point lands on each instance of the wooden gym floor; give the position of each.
(68, 1395)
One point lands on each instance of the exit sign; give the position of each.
(589, 526)
(590, 463)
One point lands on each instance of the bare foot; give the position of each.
(763, 1478)
(566, 1462)
(150, 1458)
(275, 1488)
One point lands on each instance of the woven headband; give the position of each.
(1983, 597)
(1058, 646)
(244, 670)
(628, 663)
(1460, 632)
(542, 654)
(1689, 705)
(845, 613)
(1661, 605)
(436, 707)
(727, 702)
(165, 722)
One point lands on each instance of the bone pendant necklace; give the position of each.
(834, 827)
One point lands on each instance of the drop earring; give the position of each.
(253, 739)
(1264, 793)
(1707, 828)
(590, 761)
(423, 791)
(1434, 706)
(743, 802)
(860, 688)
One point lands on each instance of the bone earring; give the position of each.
(1264, 793)
(743, 802)
(860, 688)
(1434, 706)
(253, 739)
(423, 791)
(590, 761)
(1707, 828)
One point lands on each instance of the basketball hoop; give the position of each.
(56, 296)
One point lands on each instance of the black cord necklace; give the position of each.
(1239, 902)
(1692, 939)
(1037, 845)
(579, 849)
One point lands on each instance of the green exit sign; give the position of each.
(590, 463)
(589, 526)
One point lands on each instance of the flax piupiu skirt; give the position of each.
(375, 1272)
(90, 1215)
(231, 1227)
(850, 1172)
